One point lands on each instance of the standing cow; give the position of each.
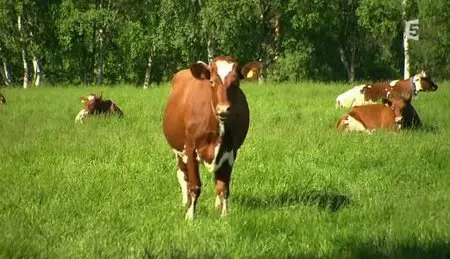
(93, 104)
(206, 120)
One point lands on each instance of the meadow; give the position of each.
(108, 188)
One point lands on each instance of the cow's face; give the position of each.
(2, 99)
(424, 83)
(397, 103)
(90, 102)
(224, 75)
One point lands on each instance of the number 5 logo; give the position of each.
(412, 29)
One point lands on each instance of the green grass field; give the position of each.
(108, 188)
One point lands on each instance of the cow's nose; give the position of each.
(223, 110)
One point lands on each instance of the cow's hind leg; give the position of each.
(222, 180)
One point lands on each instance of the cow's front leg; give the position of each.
(182, 180)
(222, 180)
(194, 183)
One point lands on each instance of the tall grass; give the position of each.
(108, 188)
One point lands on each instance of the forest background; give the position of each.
(143, 42)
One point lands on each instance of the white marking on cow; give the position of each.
(217, 202)
(353, 124)
(181, 154)
(351, 97)
(393, 83)
(221, 128)
(224, 208)
(417, 82)
(398, 121)
(190, 211)
(224, 68)
(184, 188)
(80, 116)
(212, 166)
(91, 97)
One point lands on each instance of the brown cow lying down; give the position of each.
(2, 99)
(372, 93)
(368, 118)
(95, 105)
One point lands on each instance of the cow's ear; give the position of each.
(386, 102)
(83, 99)
(200, 71)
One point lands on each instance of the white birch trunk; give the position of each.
(148, 71)
(24, 52)
(406, 73)
(5, 73)
(36, 72)
(210, 49)
(100, 58)
(349, 67)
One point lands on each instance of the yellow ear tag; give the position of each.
(250, 74)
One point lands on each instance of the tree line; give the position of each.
(141, 42)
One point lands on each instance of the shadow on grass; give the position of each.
(428, 129)
(434, 250)
(324, 199)
(359, 251)
(183, 254)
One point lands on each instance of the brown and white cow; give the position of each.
(367, 118)
(206, 120)
(2, 99)
(374, 93)
(93, 104)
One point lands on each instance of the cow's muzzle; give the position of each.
(222, 111)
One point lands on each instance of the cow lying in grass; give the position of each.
(368, 118)
(373, 93)
(93, 104)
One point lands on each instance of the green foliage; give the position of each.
(108, 188)
(315, 40)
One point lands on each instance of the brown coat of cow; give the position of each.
(206, 119)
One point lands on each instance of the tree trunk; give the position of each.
(100, 57)
(148, 71)
(5, 73)
(36, 72)
(352, 64)
(348, 69)
(210, 48)
(24, 52)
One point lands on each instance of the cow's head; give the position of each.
(90, 101)
(2, 99)
(224, 75)
(423, 82)
(397, 102)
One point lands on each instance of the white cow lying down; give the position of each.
(351, 98)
